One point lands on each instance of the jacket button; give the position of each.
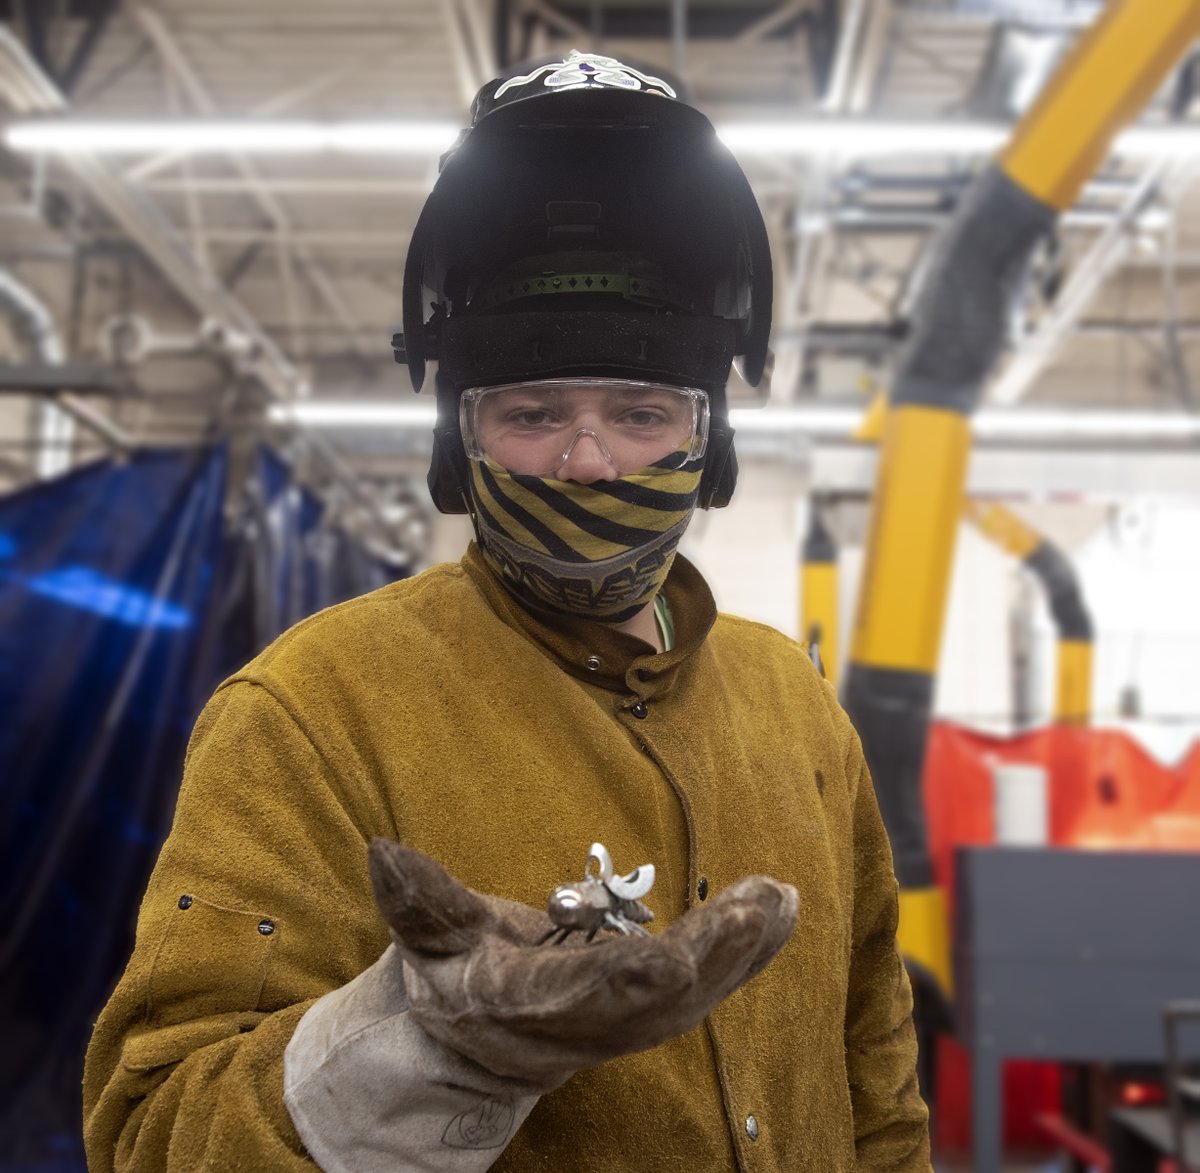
(185, 902)
(266, 927)
(752, 1128)
(592, 663)
(702, 888)
(640, 711)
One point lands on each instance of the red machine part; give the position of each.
(1106, 792)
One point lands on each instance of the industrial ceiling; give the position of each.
(180, 294)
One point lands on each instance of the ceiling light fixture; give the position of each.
(818, 136)
(117, 138)
(834, 422)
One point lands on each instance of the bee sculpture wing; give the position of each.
(633, 886)
(598, 855)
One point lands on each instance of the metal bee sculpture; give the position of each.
(602, 900)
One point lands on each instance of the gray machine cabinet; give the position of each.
(1067, 955)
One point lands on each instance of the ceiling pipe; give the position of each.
(34, 327)
(28, 90)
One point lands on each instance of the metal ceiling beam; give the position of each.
(276, 105)
(305, 238)
(174, 58)
(766, 25)
(857, 56)
(28, 90)
(470, 47)
(560, 23)
(940, 18)
(652, 20)
(1038, 349)
(51, 378)
(316, 185)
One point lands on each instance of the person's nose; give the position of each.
(587, 461)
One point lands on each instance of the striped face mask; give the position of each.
(601, 551)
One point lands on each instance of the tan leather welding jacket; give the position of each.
(438, 712)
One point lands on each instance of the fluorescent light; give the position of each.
(333, 413)
(72, 137)
(827, 422)
(834, 136)
(860, 137)
(846, 137)
(1032, 423)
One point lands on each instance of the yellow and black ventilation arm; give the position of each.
(957, 331)
(819, 593)
(1052, 568)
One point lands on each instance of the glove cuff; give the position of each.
(370, 1091)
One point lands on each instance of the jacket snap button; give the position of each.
(751, 1128)
(592, 663)
(185, 902)
(702, 888)
(266, 927)
(640, 711)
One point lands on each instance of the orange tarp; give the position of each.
(1106, 792)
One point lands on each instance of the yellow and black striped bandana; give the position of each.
(601, 550)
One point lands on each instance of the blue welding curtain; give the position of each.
(125, 597)
(281, 561)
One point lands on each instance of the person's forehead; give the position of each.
(583, 394)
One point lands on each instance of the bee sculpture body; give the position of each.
(602, 900)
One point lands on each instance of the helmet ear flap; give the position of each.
(449, 470)
(720, 461)
(720, 469)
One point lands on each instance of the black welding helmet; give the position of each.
(588, 222)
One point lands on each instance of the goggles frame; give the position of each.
(699, 399)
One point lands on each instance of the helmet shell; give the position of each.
(592, 177)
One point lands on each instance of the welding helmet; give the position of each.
(587, 223)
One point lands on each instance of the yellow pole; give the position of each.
(819, 594)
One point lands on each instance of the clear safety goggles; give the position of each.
(534, 428)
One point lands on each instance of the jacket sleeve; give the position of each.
(891, 1121)
(259, 904)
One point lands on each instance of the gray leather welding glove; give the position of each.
(431, 1059)
(479, 982)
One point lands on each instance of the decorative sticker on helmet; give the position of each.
(581, 70)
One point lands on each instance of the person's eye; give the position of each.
(531, 417)
(643, 417)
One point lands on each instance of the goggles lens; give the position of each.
(533, 428)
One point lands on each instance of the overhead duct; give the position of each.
(1043, 13)
(1052, 568)
(958, 330)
